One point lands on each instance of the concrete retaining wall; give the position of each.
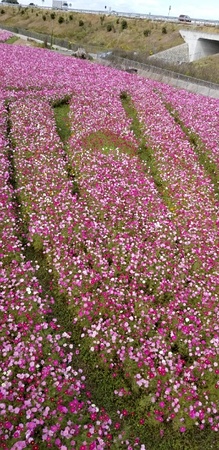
(174, 55)
(165, 76)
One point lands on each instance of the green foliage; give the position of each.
(61, 101)
(81, 23)
(71, 17)
(61, 111)
(109, 27)
(12, 40)
(124, 24)
(124, 95)
(164, 30)
(37, 242)
(2, 11)
(102, 18)
(53, 15)
(145, 152)
(147, 32)
(203, 155)
(61, 19)
(109, 141)
(44, 17)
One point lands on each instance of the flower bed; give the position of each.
(134, 267)
(200, 117)
(43, 399)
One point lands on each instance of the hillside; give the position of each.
(134, 38)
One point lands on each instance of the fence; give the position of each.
(124, 63)
(163, 75)
(55, 41)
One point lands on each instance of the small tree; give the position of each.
(11, 1)
(124, 24)
(102, 18)
(147, 32)
(109, 27)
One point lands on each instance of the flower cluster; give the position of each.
(42, 397)
(5, 35)
(137, 268)
(200, 117)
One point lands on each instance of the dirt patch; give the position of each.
(25, 42)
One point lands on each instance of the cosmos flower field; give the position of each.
(109, 250)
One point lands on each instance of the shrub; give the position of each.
(52, 15)
(2, 11)
(147, 32)
(44, 17)
(124, 24)
(61, 19)
(102, 18)
(123, 95)
(164, 30)
(109, 27)
(81, 23)
(71, 17)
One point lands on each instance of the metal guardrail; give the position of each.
(128, 64)
(148, 16)
(131, 15)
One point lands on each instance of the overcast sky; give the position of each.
(197, 9)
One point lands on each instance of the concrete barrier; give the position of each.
(175, 79)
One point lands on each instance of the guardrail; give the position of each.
(125, 64)
(131, 15)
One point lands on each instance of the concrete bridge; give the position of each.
(200, 44)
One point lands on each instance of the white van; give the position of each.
(184, 18)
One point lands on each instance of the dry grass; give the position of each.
(94, 30)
